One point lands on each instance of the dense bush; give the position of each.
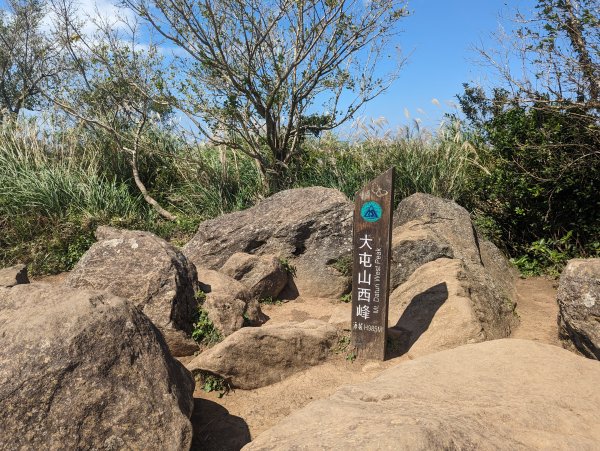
(541, 194)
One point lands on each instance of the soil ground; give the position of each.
(231, 421)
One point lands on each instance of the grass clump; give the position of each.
(346, 298)
(288, 267)
(343, 265)
(270, 301)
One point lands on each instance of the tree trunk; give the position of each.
(147, 197)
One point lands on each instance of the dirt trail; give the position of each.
(538, 310)
(230, 422)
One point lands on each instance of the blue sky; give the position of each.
(440, 35)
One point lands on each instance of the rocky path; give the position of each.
(230, 422)
(538, 310)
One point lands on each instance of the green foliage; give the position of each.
(270, 301)
(204, 331)
(259, 70)
(344, 265)
(440, 163)
(200, 296)
(546, 256)
(342, 343)
(346, 298)
(288, 267)
(212, 382)
(541, 129)
(343, 347)
(543, 181)
(58, 185)
(30, 58)
(351, 356)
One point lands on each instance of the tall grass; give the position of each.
(58, 183)
(53, 194)
(441, 163)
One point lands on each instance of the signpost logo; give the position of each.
(371, 211)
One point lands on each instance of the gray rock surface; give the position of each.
(254, 357)
(311, 227)
(148, 271)
(502, 394)
(87, 370)
(413, 245)
(227, 301)
(14, 275)
(579, 305)
(264, 275)
(225, 312)
(444, 219)
(428, 227)
(215, 282)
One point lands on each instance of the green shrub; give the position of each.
(288, 267)
(212, 382)
(544, 177)
(204, 331)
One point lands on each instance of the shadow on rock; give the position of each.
(290, 291)
(215, 429)
(415, 320)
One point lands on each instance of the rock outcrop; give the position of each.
(579, 305)
(254, 357)
(87, 370)
(434, 310)
(14, 275)
(428, 227)
(502, 394)
(148, 271)
(444, 219)
(449, 286)
(311, 227)
(228, 302)
(264, 276)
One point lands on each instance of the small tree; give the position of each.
(543, 124)
(116, 86)
(30, 59)
(258, 75)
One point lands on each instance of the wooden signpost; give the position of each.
(371, 270)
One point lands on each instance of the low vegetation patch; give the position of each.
(213, 383)
(205, 333)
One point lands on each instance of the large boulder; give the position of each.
(579, 305)
(502, 394)
(311, 227)
(265, 275)
(412, 247)
(428, 227)
(442, 306)
(148, 271)
(448, 286)
(442, 218)
(254, 357)
(14, 275)
(227, 302)
(87, 370)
